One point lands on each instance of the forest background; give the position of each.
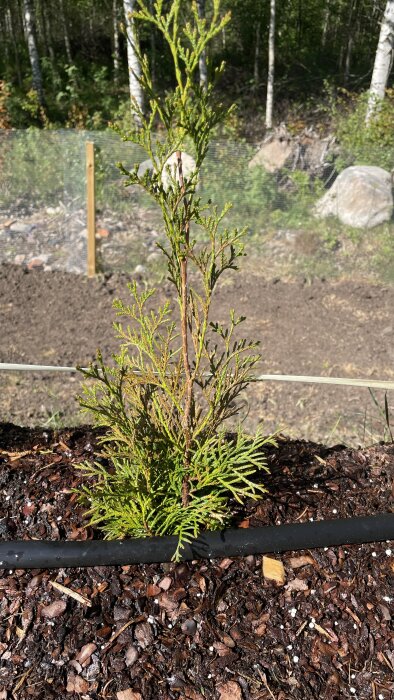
(63, 63)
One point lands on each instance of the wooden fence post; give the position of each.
(91, 209)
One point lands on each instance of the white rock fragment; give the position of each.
(296, 659)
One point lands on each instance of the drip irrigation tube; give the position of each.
(41, 554)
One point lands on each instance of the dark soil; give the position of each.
(216, 630)
(340, 328)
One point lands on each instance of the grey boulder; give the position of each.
(361, 197)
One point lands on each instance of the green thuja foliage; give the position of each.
(173, 469)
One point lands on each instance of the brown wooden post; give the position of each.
(91, 208)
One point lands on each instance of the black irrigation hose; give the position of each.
(41, 554)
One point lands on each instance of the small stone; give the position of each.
(19, 259)
(296, 659)
(37, 262)
(18, 227)
(139, 270)
(189, 627)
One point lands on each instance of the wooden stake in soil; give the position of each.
(91, 209)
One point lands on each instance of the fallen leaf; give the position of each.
(273, 570)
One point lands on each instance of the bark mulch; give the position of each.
(216, 629)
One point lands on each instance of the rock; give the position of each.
(102, 233)
(139, 270)
(189, 627)
(37, 262)
(273, 155)
(19, 259)
(360, 197)
(18, 227)
(170, 168)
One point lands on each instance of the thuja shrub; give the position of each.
(167, 464)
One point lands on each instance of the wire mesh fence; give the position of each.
(43, 206)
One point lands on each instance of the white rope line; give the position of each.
(343, 381)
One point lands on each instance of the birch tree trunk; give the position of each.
(271, 67)
(136, 94)
(383, 61)
(202, 63)
(33, 52)
(116, 54)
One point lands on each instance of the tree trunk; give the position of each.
(48, 30)
(136, 94)
(350, 41)
(256, 66)
(33, 53)
(116, 53)
(202, 63)
(383, 61)
(15, 46)
(326, 23)
(65, 32)
(271, 68)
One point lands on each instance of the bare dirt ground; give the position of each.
(340, 328)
